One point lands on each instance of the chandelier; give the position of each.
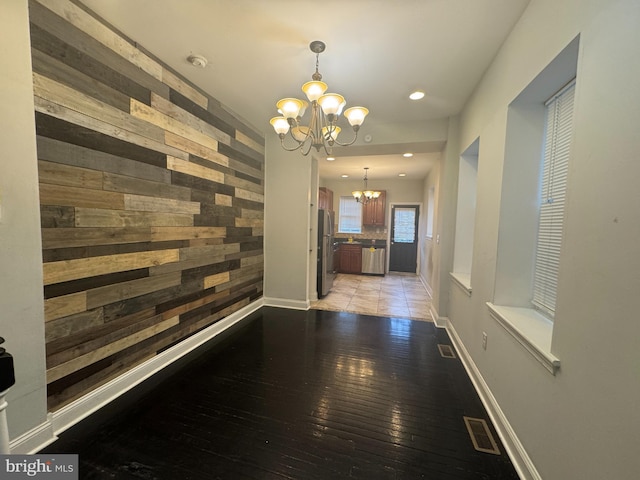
(365, 195)
(322, 130)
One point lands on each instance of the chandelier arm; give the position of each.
(348, 143)
(292, 149)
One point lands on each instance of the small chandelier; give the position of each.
(365, 196)
(322, 130)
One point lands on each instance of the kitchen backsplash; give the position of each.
(365, 235)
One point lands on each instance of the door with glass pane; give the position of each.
(403, 252)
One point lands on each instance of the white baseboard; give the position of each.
(69, 415)
(441, 322)
(287, 303)
(34, 440)
(518, 455)
(426, 285)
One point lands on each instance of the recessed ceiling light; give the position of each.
(402, 174)
(417, 95)
(331, 159)
(407, 155)
(345, 176)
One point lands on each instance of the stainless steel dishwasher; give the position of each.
(373, 260)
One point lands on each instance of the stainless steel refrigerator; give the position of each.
(326, 273)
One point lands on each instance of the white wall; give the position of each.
(289, 206)
(21, 303)
(581, 423)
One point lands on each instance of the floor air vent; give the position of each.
(481, 435)
(446, 351)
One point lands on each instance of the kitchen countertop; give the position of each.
(366, 243)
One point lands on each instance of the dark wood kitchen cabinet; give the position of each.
(325, 199)
(374, 212)
(350, 258)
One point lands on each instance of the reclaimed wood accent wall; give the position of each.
(151, 202)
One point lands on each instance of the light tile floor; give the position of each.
(394, 295)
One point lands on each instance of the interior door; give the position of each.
(403, 252)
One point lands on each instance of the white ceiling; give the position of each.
(378, 51)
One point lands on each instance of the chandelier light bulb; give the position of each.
(356, 115)
(280, 125)
(331, 103)
(314, 90)
(290, 107)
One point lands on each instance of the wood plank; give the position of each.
(184, 88)
(76, 118)
(77, 363)
(203, 113)
(97, 30)
(56, 272)
(64, 306)
(192, 305)
(255, 259)
(213, 280)
(246, 213)
(59, 174)
(250, 222)
(55, 216)
(72, 99)
(256, 173)
(53, 68)
(154, 204)
(183, 166)
(128, 184)
(95, 217)
(159, 234)
(54, 37)
(98, 297)
(80, 197)
(66, 326)
(250, 142)
(85, 237)
(194, 148)
(249, 158)
(66, 153)
(226, 200)
(153, 116)
(249, 195)
(87, 340)
(185, 265)
(208, 251)
(188, 119)
(244, 184)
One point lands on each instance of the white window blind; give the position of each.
(559, 129)
(350, 220)
(404, 225)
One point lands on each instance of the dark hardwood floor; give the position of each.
(296, 395)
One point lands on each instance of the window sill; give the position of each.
(462, 280)
(531, 329)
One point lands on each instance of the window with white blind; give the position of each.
(553, 186)
(350, 216)
(404, 224)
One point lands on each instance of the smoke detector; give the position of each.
(197, 61)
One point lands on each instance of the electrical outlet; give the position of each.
(484, 340)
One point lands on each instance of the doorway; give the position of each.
(403, 252)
